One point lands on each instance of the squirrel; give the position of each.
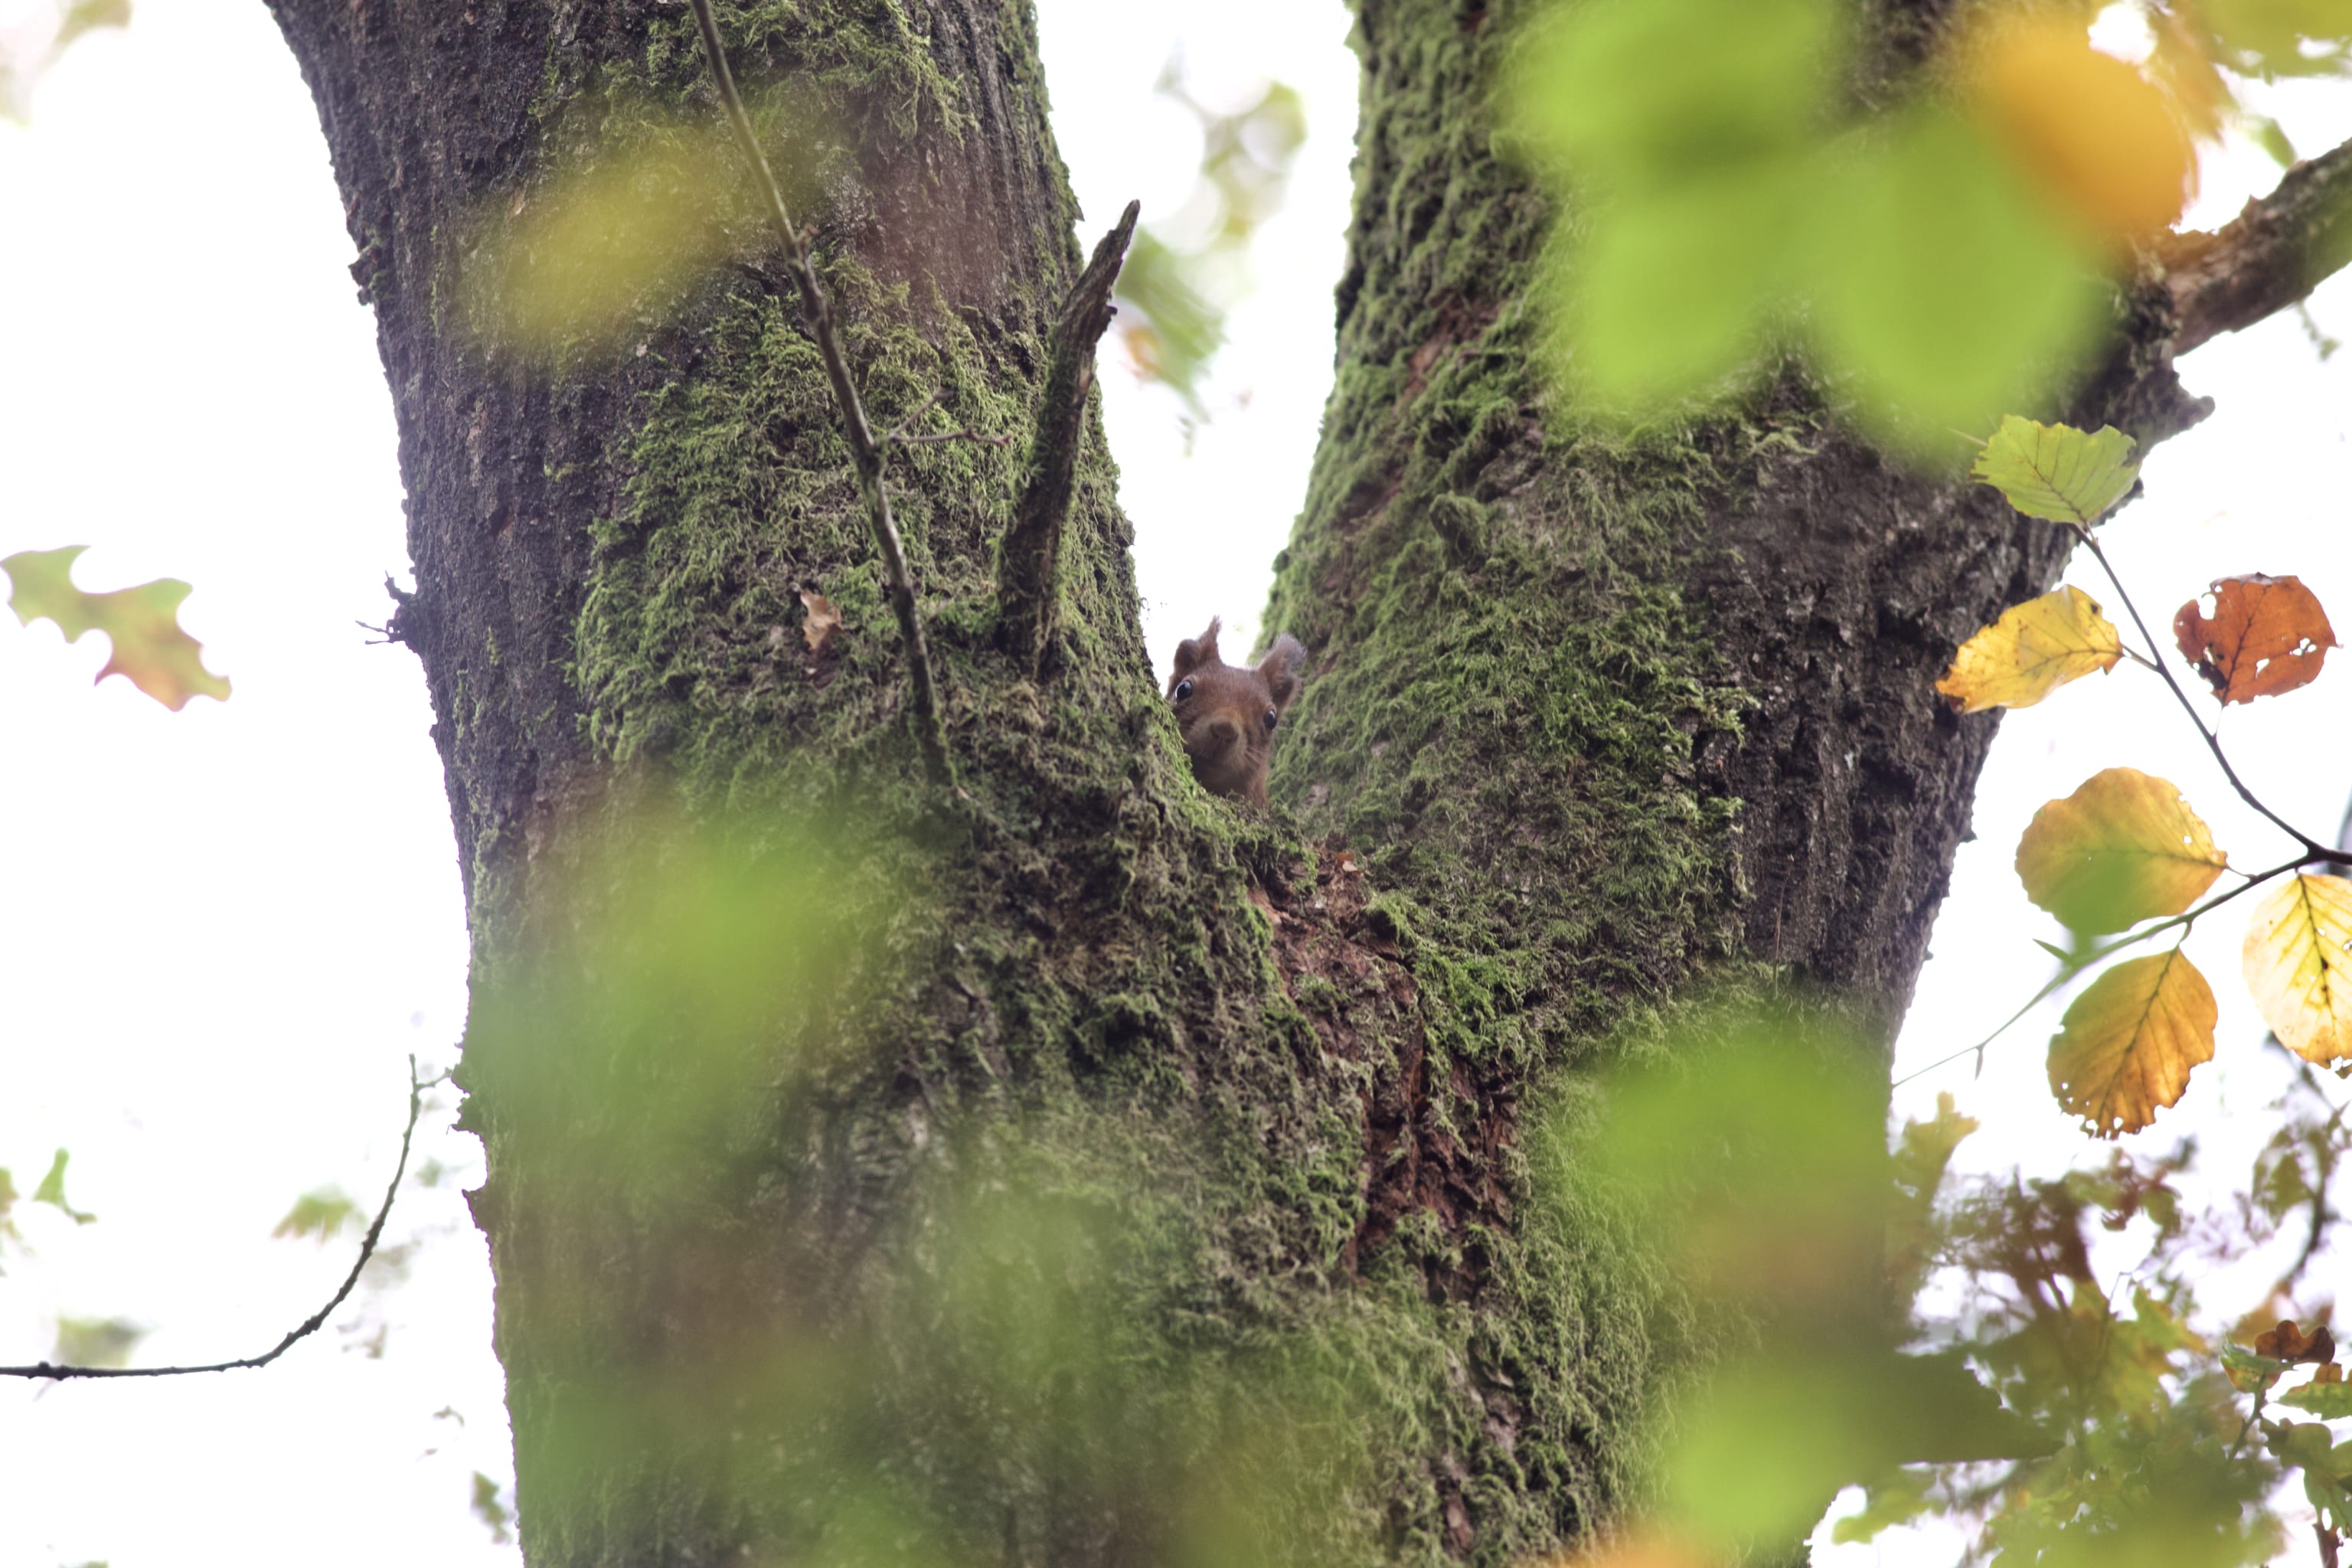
(1228, 712)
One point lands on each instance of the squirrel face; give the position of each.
(1229, 712)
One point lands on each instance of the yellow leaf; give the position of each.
(2126, 1047)
(2299, 968)
(2034, 648)
(150, 651)
(2123, 848)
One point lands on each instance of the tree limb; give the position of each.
(2275, 251)
(1028, 568)
(56, 1372)
(866, 450)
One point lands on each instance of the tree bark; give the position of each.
(1594, 726)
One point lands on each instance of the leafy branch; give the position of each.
(53, 1371)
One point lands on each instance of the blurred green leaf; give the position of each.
(488, 1507)
(2249, 1371)
(52, 1191)
(1641, 92)
(2274, 38)
(2328, 1401)
(96, 1342)
(2057, 471)
(319, 1214)
(1942, 290)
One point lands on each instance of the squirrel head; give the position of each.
(1229, 712)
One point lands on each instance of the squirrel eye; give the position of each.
(1271, 715)
(1183, 689)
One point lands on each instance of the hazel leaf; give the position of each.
(2057, 471)
(2127, 1044)
(2298, 964)
(2034, 648)
(2123, 848)
(2265, 635)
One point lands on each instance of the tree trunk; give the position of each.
(1593, 725)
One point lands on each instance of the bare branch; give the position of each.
(2272, 255)
(52, 1372)
(1029, 562)
(866, 450)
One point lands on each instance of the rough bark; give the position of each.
(1599, 725)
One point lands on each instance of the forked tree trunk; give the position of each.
(1598, 724)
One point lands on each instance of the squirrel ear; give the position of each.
(1194, 652)
(1279, 669)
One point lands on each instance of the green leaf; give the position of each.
(83, 15)
(1941, 285)
(52, 1191)
(2057, 471)
(150, 651)
(1898, 1500)
(2328, 1401)
(320, 1213)
(2272, 39)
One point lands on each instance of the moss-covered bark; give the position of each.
(1592, 724)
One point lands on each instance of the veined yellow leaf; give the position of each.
(2123, 848)
(2034, 648)
(2126, 1047)
(2299, 966)
(2057, 471)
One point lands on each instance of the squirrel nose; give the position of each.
(1224, 732)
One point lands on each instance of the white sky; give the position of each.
(221, 932)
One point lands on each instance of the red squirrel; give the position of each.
(1228, 712)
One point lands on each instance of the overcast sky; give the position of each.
(224, 929)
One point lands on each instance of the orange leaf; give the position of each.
(2284, 1340)
(2109, 146)
(2298, 960)
(822, 621)
(2033, 649)
(2126, 1047)
(2123, 848)
(2266, 635)
(150, 649)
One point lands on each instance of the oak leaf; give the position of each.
(2265, 635)
(2057, 471)
(2034, 648)
(150, 651)
(2127, 1044)
(2298, 964)
(2123, 848)
(2286, 1341)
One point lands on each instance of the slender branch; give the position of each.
(53, 1371)
(2314, 849)
(2267, 259)
(865, 450)
(2186, 918)
(1029, 561)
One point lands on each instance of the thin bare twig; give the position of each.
(866, 450)
(54, 1372)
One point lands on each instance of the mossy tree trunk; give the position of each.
(1597, 724)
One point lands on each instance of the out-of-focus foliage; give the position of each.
(96, 1342)
(1939, 246)
(30, 45)
(52, 1191)
(150, 650)
(2032, 1363)
(1186, 270)
(862, 1390)
(320, 1215)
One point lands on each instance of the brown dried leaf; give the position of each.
(2265, 635)
(2126, 1047)
(2123, 848)
(2287, 1341)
